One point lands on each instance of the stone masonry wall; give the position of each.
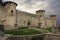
(26, 37)
(51, 37)
(36, 37)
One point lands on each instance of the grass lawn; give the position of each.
(22, 32)
(48, 29)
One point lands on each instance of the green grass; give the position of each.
(22, 32)
(48, 29)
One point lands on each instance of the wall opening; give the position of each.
(39, 25)
(59, 29)
(11, 11)
(28, 23)
(40, 15)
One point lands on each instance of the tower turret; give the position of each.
(40, 15)
(53, 22)
(10, 7)
(53, 19)
(10, 12)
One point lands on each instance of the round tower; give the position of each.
(53, 22)
(10, 8)
(10, 13)
(40, 15)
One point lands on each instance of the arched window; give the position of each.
(28, 23)
(11, 11)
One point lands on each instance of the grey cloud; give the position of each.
(32, 1)
(32, 5)
(51, 6)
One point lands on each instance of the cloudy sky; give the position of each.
(50, 6)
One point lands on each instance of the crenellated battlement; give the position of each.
(9, 2)
(40, 11)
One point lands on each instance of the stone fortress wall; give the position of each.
(11, 16)
(8, 15)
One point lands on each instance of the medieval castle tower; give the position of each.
(12, 17)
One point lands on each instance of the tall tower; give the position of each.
(53, 22)
(40, 15)
(10, 13)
